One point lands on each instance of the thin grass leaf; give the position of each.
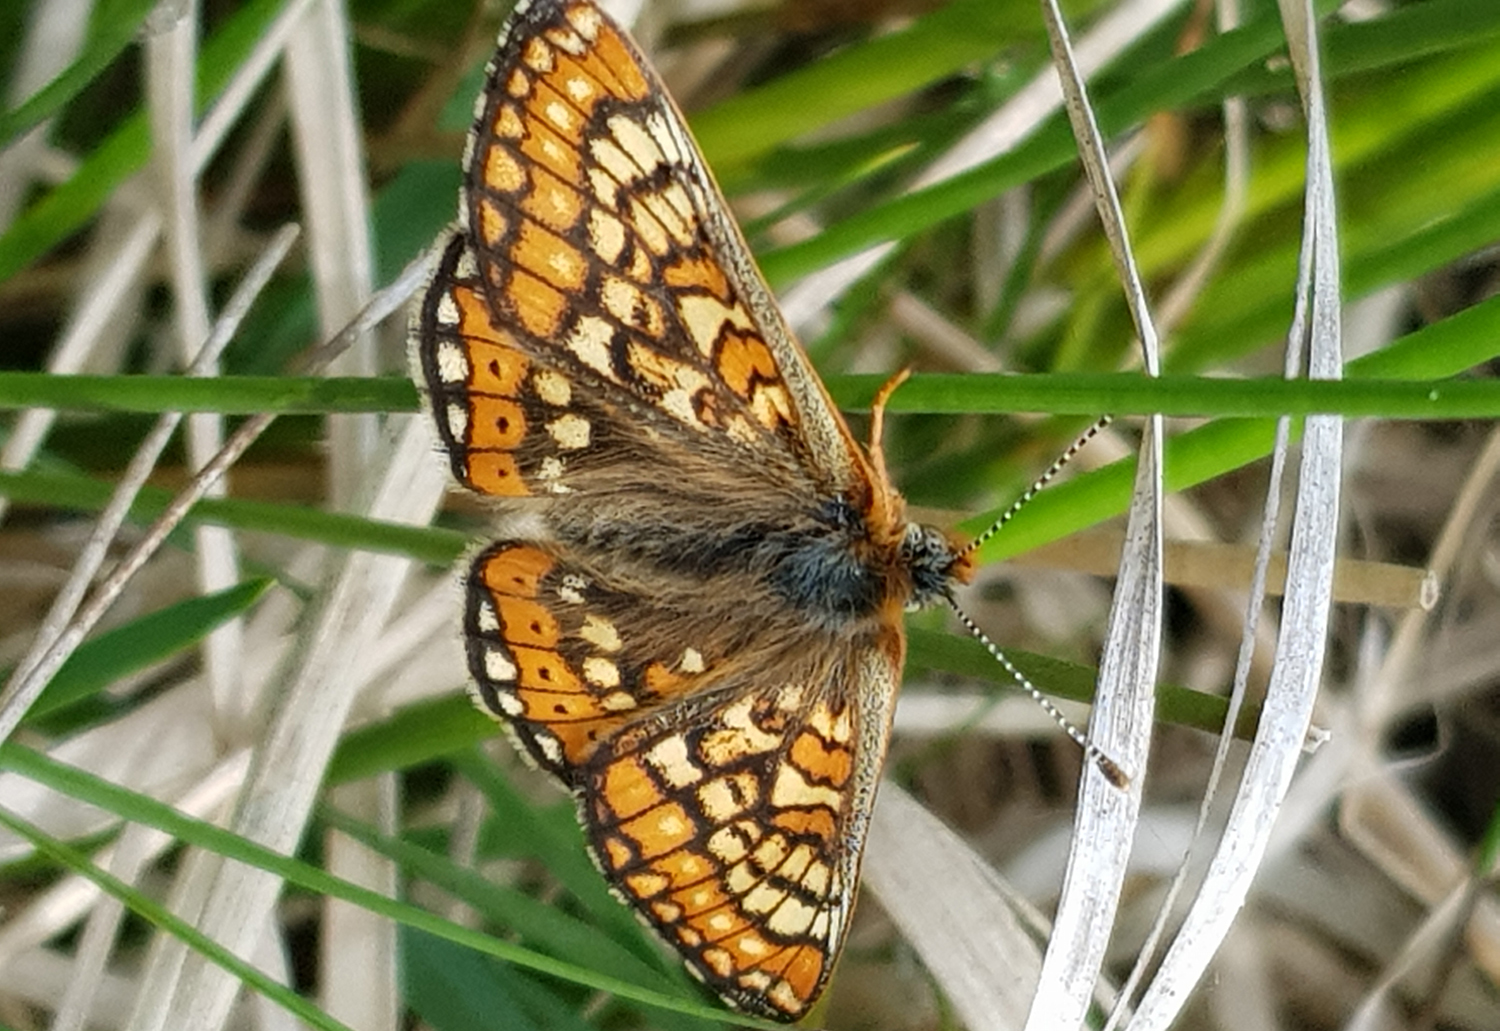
(113, 27)
(142, 643)
(145, 810)
(157, 914)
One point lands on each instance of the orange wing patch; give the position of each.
(550, 650)
(512, 425)
(725, 833)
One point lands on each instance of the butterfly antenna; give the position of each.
(1041, 481)
(1091, 751)
(1107, 766)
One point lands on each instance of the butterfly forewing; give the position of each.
(603, 245)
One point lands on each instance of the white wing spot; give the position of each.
(466, 268)
(458, 421)
(452, 363)
(600, 633)
(560, 116)
(601, 672)
(488, 621)
(589, 342)
(570, 431)
(497, 665)
(636, 142)
(552, 387)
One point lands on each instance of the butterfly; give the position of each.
(694, 621)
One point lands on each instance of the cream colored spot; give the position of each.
(508, 123)
(705, 317)
(613, 160)
(752, 945)
(771, 852)
(606, 235)
(678, 227)
(551, 468)
(585, 19)
(679, 403)
(452, 363)
(571, 589)
(796, 864)
(589, 342)
(785, 997)
(770, 405)
(667, 912)
(763, 898)
(731, 845)
(792, 918)
(467, 268)
(662, 133)
(559, 115)
(739, 738)
(739, 428)
(721, 922)
(489, 622)
(606, 190)
(676, 196)
(816, 879)
(618, 701)
(789, 698)
(740, 878)
(837, 730)
(600, 633)
(566, 40)
(756, 980)
(670, 757)
(719, 800)
(621, 298)
(580, 89)
(458, 421)
(670, 823)
(792, 790)
(509, 703)
(552, 387)
(568, 264)
(651, 231)
(601, 672)
(691, 661)
(551, 750)
(718, 960)
(820, 926)
(637, 143)
(447, 315)
(570, 431)
(539, 56)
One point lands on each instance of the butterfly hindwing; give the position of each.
(725, 802)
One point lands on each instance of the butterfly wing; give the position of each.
(726, 799)
(600, 250)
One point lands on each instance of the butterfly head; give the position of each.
(937, 562)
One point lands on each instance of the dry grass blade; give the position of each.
(33, 672)
(963, 923)
(1120, 726)
(1295, 676)
(290, 761)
